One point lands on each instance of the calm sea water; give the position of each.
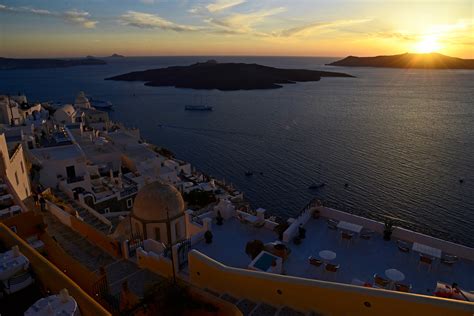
(401, 139)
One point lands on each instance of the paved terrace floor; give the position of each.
(359, 260)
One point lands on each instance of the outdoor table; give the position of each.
(427, 250)
(327, 254)
(349, 226)
(6, 197)
(13, 265)
(53, 305)
(5, 213)
(15, 208)
(6, 256)
(37, 244)
(251, 219)
(394, 275)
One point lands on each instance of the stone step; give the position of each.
(86, 216)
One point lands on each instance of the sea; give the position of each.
(389, 142)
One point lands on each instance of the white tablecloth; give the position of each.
(6, 197)
(8, 267)
(394, 275)
(327, 254)
(251, 218)
(55, 304)
(427, 250)
(349, 226)
(6, 256)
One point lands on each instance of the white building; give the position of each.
(13, 167)
(64, 162)
(16, 110)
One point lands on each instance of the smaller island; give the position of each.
(38, 63)
(407, 60)
(115, 56)
(225, 76)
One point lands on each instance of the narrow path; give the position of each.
(84, 213)
(93, 257)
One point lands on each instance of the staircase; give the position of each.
(251, 308)
(86, 216)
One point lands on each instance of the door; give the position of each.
(71, 172)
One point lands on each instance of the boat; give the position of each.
(316, 186)
(198, 108)
(101, 105)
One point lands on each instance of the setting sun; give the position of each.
(428, 44)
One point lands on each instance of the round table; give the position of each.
(327, 254)
(53, 305)
(394, 275)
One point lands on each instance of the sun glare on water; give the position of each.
(428, 44)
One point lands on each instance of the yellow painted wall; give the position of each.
(323, 297)
(225, 308)
(71, 267)
(155, 264)
(26, 224)
(96, 237)
(50, 276)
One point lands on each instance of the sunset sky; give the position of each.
(53, 28)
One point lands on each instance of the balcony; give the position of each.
(74, 179)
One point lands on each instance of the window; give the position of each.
(16, 178)
(106, 210)
(157, 234)
(129, 203)
(22, 168)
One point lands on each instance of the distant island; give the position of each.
(407, 60)
(111, 56)
(225, 76)
(116, 56)
(38, 63)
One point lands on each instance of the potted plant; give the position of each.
(208, 236)
(253, 248)
(281, 251)
(219, 218)
(280, 229)
(388, 229)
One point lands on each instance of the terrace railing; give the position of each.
(128, 191)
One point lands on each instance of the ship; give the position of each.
(101, 105)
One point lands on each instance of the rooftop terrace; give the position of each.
(360, 259)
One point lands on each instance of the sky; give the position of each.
(73, 28)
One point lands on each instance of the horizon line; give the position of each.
(229, 55)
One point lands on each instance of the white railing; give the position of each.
(291, 231)
(400, 233)
(60, 214)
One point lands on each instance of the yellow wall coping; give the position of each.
(50, 276)
(300, 293)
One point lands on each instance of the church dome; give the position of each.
(68, 109)
(154, 199)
